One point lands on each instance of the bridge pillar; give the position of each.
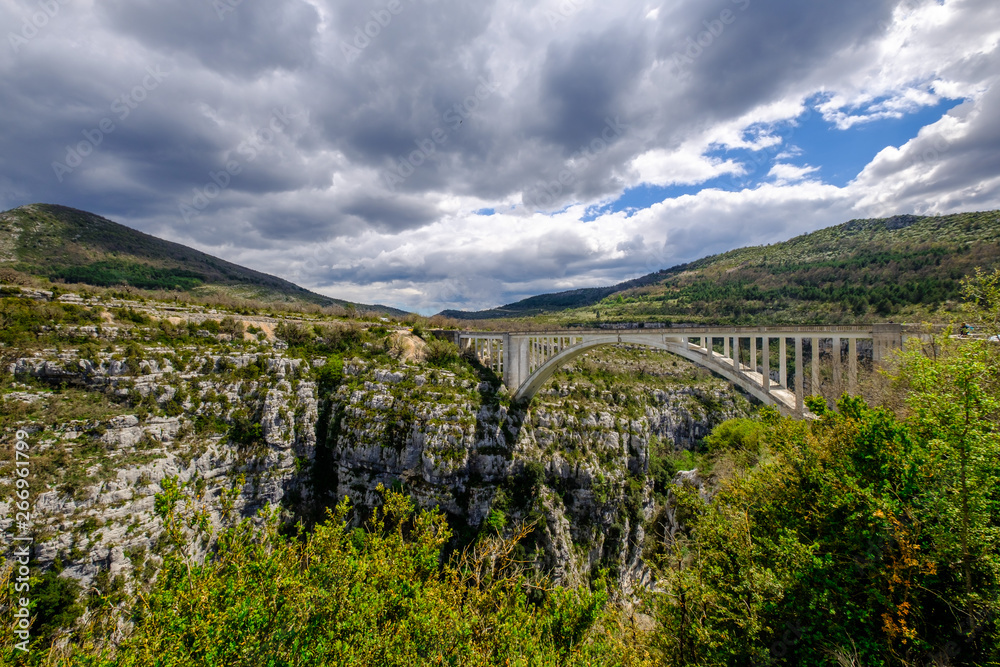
(852, 366)
(753, 354)
(837, 360)
(816, 379)
(725, 347)
(766, 363)
(522, 361)
(783, 362)
(799, 370)
(515, 356)
(885, 338)
(736, 353)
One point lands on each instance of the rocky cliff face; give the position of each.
(575, 462)
(96, 482)
(224, 435)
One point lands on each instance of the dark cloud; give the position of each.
(404, 116)
(728, 56)
(586, 82)
(241, 37)
(390, 215)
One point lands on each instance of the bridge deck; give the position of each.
(526, 359)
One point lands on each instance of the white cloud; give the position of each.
(313, 205)
(681, 167)
(951, 165)
(784, 173)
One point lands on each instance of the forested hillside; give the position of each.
(906, 268)
(65, 245)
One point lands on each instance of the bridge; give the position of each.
(741, 355)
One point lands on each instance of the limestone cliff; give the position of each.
(575, 462)
(96, 481)
(232, 433)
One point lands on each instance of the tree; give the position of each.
(955, 403)
(982, 294)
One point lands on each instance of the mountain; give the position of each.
(903, 267)
(68, 245)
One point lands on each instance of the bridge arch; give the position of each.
(526, 360)
(544, 373)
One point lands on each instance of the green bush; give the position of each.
(442, 353)
(244, 431)
(293, 334)
(56, 604)
(859, 538)
(338, 596)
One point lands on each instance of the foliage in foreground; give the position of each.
(343, 596)
(866, 538)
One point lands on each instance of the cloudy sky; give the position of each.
(434, 154)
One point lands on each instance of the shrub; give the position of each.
(375, 597)
(442, 353)
(293, 334)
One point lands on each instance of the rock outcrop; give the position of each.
(225, 435)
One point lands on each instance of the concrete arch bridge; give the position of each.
(742, 355)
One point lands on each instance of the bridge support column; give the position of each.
(766, 364)
(799, 369)
(885, 338)
(815, 366)
(523, 368)
(736, 353)
(852, 366)
(725, 347)
(783, 362)
(837, 361)
(753, 354)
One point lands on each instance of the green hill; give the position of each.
(63, 244)
(905, 268)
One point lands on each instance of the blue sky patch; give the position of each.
(839, 155)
